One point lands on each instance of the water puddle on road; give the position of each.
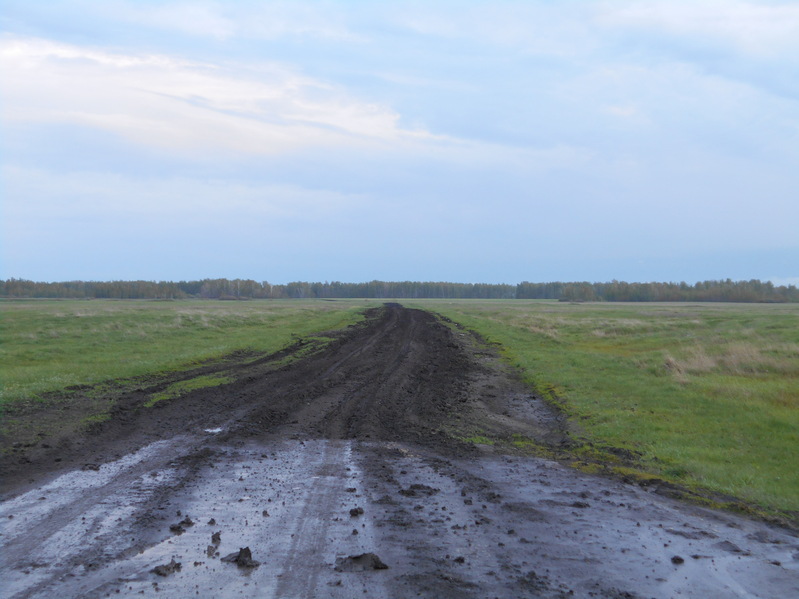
(55, 529)
(288, 503)
(311, 518)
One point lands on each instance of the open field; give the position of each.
(49, 345)
(380, 463)
(706, 394)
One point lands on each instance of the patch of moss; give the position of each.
(182, 387)
(478, 440)
(97, 418)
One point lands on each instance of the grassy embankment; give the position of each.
(50, 345)
(707, 394)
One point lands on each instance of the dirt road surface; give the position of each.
(339, 475)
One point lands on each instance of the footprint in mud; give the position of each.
(360, 563)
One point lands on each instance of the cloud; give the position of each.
(765, 29)
(189, 106)
(193, 18)
(555, 29)
(63, 196)
(660, 130)
(227, 20)
(224, 110)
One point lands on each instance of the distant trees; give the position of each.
(92, 289)
(241, 289)
(619, 291)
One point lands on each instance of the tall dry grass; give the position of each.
(739, 358)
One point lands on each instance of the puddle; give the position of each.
(342, 519)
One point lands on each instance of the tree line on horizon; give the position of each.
(246, 289)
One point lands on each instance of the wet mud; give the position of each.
(349, 474)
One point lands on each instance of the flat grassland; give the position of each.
(706, 395)
(49, 345)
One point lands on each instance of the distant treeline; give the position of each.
(239, 289)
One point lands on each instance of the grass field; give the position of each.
(707, 394)
(49, 344)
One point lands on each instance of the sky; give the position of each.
(465, 141)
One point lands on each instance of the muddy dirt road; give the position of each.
(342, 475)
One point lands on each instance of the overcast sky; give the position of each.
(431, 140)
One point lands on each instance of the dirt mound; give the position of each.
(167, 569)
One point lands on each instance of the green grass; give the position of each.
(478, 440)
(181, 387)
(707, 394)
(49, 345)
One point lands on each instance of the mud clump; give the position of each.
(242, 558)
(417, 490)
(181, 526)
(186, 522)
(167, 569)
(360, 563)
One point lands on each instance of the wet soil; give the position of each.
(350, 472)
